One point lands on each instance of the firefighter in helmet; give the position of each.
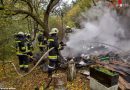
(68, 30)
(21, 51)
(54, 53)
(29, 46)
(42, 41)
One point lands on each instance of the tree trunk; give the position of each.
(46, 19)
(94, 2)
(50, 6)
(71, 71)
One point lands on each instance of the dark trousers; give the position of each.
(23, 61)
(53, 65)
(30, 53)
(42, 49)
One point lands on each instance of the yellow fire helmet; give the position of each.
(67, 26)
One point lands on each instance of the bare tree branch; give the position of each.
(29, 4)
(36, 7)
(94, 2)
(33, 12)
(1, 2)
(1, 5)
(14, 1)
(38, 20)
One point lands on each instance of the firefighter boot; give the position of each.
(26, 69)
(49, 74)
(21, 68)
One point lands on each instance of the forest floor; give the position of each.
(10, 79)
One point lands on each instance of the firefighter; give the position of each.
(42, 41)
(21, 51)
(29, 46)
(68, 29)
(67, 32)
(53, 54)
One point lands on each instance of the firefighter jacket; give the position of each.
(30, 48)
(53, 42)
(42, 40)
(68, 30)
(21, 46)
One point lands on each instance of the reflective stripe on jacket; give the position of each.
(52, 57)
(21, 47)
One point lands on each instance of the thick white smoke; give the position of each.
(103, 25)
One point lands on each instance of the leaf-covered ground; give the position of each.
(36, 79)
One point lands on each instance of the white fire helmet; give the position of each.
(20, 33)
(54, 30)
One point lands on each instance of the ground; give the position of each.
(36, 79)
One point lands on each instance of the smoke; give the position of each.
(100, 24)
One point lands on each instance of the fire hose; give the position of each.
(44, 56)
(15, 69)
(33, 67)
(13, 66)
(38, 62)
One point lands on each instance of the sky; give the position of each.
(68, 1)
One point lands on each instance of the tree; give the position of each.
(71, 17)
(1, 4)
(38, 10)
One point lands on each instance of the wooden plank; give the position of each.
(124, 85)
